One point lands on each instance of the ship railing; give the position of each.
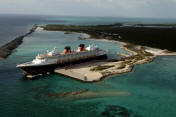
(27, 63)
(76, 56)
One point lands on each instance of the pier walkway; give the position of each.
(80, 72)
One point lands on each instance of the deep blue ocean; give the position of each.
(148, 91)
(12, 26)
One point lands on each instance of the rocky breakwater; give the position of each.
(8, 48)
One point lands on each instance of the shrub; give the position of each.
(100, 67)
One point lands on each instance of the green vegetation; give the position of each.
(139, 57)
(158, 37)
(148, 54)
(100, 67)
(122, 65)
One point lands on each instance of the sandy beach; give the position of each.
(159, 52)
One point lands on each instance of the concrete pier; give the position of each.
(81, 72)
(95, 70)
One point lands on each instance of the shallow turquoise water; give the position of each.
(41, 41)
(151, 87)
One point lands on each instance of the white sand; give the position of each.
(159, 52)
(106, 40)
(39, 28)
(154, 51)
(82, 72)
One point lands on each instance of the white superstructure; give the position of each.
(56, 58)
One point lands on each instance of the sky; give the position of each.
(105, 8)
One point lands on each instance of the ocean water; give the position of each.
(41, 41)
(69, 20)
(148, 91)
(12, 26)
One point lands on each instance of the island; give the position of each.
(153, 35)
(136, 39)
(142, 40)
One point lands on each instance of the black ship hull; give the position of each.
(44, 69)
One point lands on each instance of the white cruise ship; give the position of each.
(44, 63)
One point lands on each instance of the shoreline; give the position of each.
(154, 51)
(86, 36)
(8, 48)
(95, 71)
(140, 55)
(86, 72)
(162, 38)
(106, 40)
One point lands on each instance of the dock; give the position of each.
(96, 70)
(81, 72)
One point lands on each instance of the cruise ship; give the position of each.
(46, 63)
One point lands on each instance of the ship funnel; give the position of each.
(81, 47)
(67, 50)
